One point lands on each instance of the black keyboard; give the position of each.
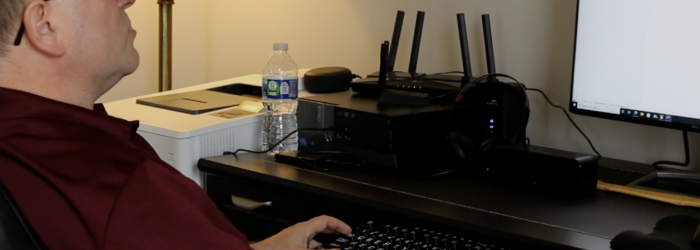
(373, 236)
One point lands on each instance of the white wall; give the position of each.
(533, 40)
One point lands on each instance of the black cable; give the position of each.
(356, 76)
(481, 78)
(567, 116)
(657, 165)
(340, 164)
(278, 143)
(435, 99)
(316, 167)
(432, 175)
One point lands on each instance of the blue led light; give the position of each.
(491, 121)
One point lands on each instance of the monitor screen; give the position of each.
(636, 61)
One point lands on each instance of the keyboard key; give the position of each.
(444, 243)
(400, 238)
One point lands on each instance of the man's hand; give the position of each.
(300, 236)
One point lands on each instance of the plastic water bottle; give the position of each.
(280, 92)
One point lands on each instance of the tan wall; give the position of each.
(533, 40)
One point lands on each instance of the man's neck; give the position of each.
(49, 84)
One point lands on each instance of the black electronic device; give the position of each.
(392, 96)
(432, 88)
(327, 80)
(321, 161)
(404, 91)
(600, 85)
(466, 59)
(488, 44)
(396, 136)
(614, 82)
(415, 48)
(387, 96)
(493, 112)
(543, 167)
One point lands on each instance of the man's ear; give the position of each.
(39, 30)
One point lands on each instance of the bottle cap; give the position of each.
(280, 46)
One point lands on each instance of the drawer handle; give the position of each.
(248, 204)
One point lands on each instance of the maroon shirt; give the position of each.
(86, 180)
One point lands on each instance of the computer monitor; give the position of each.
(635, 61)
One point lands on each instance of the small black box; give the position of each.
(406, 137)
(544, 167)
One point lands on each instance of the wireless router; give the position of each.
(394, 96)
(417, 34)
(466, 60)
(379, 87)
(488, 44)
(437, 85)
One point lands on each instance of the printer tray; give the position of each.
(195, 102)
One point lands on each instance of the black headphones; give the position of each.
(488, 113)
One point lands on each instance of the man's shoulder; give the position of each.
(65, 148)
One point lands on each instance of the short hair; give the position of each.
(10, 14)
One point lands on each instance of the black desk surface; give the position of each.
(510, 212)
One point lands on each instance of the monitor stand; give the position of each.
(670, 182)
(676, 182)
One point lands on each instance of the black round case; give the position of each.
(327, 80)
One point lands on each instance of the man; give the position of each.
(84, 179)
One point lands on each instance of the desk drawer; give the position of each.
(257, 212)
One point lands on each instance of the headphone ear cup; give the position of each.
(487, 148)
(462, 145)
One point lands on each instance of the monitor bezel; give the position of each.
(616, 117)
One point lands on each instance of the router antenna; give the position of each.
(417, 34)
(382, 66)
(488, 43)
(464, 45)
(395, 41)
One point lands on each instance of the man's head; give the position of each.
(81, 46)
(10, 16)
